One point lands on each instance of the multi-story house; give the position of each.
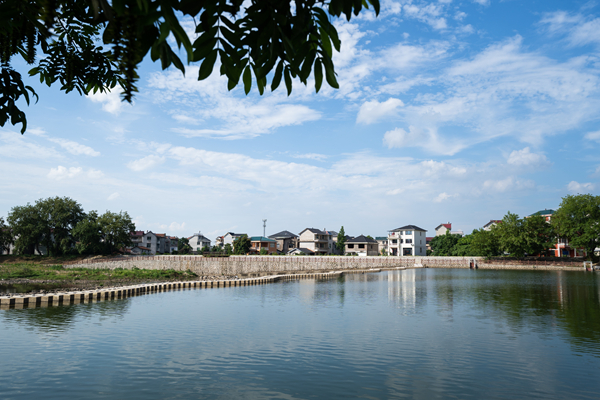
(489, 225)
(362, 246)
(316, 240)
(257, 243)
(441, 229)
(219, 242)
(174, 244)
(229, 238)
(198, 241)
(286, 241)
(409, 240)
(137, 238)
(383, 243)
(333, 239)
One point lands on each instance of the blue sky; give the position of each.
(447, 111)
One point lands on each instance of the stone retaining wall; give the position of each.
(269, 265)
(266, 265)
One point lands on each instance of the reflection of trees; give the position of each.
(569, 300)
(62, 318)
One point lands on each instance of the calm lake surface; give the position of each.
(427, 333)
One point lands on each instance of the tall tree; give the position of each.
(341, 241)
(578, 219)
(462, 247)
(27, 228)
(251, 40)
(183, 246)
(88, 234)
(511, 235)
(444, 244)
(116, 230)
(228, 249)
(485, 243)
(59, 216)
(6, 236)
(241, 245)
(538, 234)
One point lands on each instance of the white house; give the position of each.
(198, 241)
(409, 240)
(316, 240)
(229, 237)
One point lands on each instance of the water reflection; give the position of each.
(426, 333)
(62, 318)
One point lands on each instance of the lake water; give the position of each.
(427, 333)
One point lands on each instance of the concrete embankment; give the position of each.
(90, 296)
(272, 265)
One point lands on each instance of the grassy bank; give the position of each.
(58, 273)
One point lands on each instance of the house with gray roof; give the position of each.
(317, 241)
(362, 246)
(286, 241)
(409, 240)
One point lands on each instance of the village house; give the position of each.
(286, 241)
(197, 241)
(230, 237)
(316, 241)
(362, 246)
(257, 243)
(409, 240)
(383, 243)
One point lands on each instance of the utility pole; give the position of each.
(264, 228)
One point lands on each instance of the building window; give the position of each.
(149, 238)
(408, 241)
(361, 246)
(408, 233)
(394, 241)
(350, 246)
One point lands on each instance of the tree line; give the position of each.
(61, 226)
(577, 220)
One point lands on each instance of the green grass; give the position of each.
(59, 273)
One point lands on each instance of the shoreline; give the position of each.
(123, 290)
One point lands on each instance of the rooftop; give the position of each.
(361, 239)
(543, 212)
(260, 239)
(283, 235)
(408, 228)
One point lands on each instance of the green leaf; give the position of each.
(277, 77)
(247, 78)
(207, 65)
(288, 80)
(318, 74)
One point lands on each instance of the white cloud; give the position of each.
(580, 29)
(74, 147)
(94, 174)
(526, 158)
(113, 196)
(60, 172)
(427, 139)
(443, 197)
(177, 227)
(508, 184)
(311, 156)
(576, 187)
(145, 163)
(595, 136)
(111, 101)
(372, 111)
(235, 117)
